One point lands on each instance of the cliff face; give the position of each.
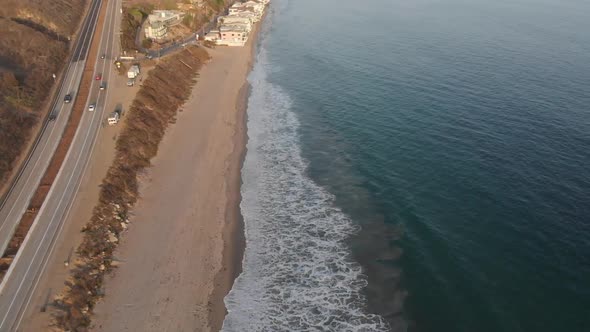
(33, 46)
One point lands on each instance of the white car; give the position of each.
(91, 107)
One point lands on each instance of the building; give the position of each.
(253, 6)
(167, 17)
(239, 20)
(235, 27)
(257, 6)
(232, 35)
(248, 14)
(159, 21)
(156, 30)
(212, 36)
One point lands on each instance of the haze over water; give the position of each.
(455, 133)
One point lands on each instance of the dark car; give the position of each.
(68, 98)
(102, 56)
(103, 86)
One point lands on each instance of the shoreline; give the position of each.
(234, 231)
(234, 240)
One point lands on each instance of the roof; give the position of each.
(233, 27)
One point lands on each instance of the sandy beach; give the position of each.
(185, 242)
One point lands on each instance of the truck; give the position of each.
(114, 117)
(133, 72)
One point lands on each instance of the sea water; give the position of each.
(417, 165)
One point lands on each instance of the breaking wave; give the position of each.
(297, 271)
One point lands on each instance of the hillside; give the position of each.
(33, 46)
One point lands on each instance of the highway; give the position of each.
(21, 279)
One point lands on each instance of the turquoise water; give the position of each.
(418, 165)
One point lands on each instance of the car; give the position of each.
(98, 77)
(103, 86)
(68, 98)
(102, 56)
(91, 107)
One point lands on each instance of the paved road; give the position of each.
(21, 279)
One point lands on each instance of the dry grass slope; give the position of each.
(33, 47)
(165, 90)
(60, 16)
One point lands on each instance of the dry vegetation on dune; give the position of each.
(33, 46)
(154, 108)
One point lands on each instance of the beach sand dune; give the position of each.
(184, 246)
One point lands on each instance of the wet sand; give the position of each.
(184, 246)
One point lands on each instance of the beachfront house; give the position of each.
(257, 6)
(254, 5)
(246, 13)
(239, 9)
(233, 20)
(233, 35)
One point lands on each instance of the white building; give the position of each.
(254, 17)
(235, 27)
(231, 20)
(156, 30)
(158, 22)
(255, 6)
(232, 35)
(167, 17)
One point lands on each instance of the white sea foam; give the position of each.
(297, 272)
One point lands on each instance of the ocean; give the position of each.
(417, 165)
